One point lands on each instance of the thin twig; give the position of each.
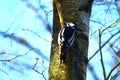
(105, 28)
(46, 13)
(104, 44)
(37, 35)
(101, 56)
(4, 72)
(8, 60)
(117, 6)
(110, 25)
(112, 70)
(98, 22)
(115, 76)
(41, 73)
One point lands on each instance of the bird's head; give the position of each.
(71, 24)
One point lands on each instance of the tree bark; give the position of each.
(75, 68)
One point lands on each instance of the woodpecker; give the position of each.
(66, 38)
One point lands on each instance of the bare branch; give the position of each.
(35, 9)
(112, 70)
(117, 6)
(37, 35)
(104, 44)
(110, 25)
(115, 76)
(9, 60)
(104, 29)
(41, 73)
(116, 52)
(101, 56)
(24, 43)
(46, 13)
(4, 72)
(97, 22)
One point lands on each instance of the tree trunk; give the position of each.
(75, 68)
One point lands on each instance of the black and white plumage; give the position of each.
(66, 38)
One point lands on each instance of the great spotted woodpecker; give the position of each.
(66, 38)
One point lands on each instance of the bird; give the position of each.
(66, 38)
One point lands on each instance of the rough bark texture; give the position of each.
(75, 68)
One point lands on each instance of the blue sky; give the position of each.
(28, 21)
